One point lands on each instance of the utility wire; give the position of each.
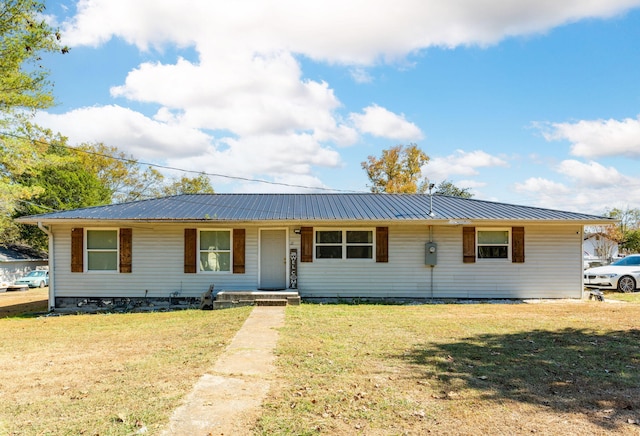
(225, 176)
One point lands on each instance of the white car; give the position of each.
(623, 275)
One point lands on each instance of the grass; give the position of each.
(19, 303)
(558, 368)
(619, 296)
(105, 374)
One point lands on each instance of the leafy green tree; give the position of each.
(397, 170)
(120, 173)
(24, 37)
(62, 183)
(65, 186)
(185, 185)
(629, 218)
(447, 188)
(628, 228)
(17, 155)
(631, 241)
(127, 180)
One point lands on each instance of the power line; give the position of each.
(225, 176)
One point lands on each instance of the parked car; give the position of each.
(623, 275)
(35, 279)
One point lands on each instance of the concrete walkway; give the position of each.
(227, 401)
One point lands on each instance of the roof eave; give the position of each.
(294, 221)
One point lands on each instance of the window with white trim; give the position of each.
(493, 243)
(215, 250)
(344, 244)
(102, 250)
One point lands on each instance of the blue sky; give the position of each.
(529, 102)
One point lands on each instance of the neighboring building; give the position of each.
(323, 245)
(599, 249)
(16, 261)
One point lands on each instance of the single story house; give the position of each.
(322, 245)
(17, 260)
(599, 249)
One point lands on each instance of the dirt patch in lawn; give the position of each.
(17, 303)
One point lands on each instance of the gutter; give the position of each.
(51, 265)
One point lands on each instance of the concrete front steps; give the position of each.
(227, 299)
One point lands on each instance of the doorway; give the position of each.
(273, 259)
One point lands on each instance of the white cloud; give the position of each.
(254, 157)
(592, 174)
(181, 146)
(598, 138)
(380, 122)
(461, 163)
(256, 95)
(590, 188)
(247, 85)
(360, 75)
(128, 130)
(542, 186)
(350, 32)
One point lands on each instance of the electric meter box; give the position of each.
(431, 253)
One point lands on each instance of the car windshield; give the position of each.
(627, 261)
(36, 274)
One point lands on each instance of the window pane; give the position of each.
(493, 237)
(215, 261)
(492, 252)
(329, 237)
(359, 237)
(626, 261)
(102, 260)
(359, 252)
(215, 240)
(102, 239)
(328, 252)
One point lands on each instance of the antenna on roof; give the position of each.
(431, 186)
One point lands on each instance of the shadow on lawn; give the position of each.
(23, 310)
(571, 370)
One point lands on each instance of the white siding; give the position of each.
(552, 268)
(157, 266)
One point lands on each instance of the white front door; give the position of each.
(273, 259)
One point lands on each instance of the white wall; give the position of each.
(157, 266)
(552, 268)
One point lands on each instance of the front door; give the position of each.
(273, 259)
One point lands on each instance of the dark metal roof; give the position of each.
(14, 253)
(311, 207)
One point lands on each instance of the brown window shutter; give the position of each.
(382, 244)
(468, 244)
(238, 251)
(517, 245)
(125, 250)
(190, 250)
(77, 250)
(306, 244)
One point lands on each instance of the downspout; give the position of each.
(431, 267)
(51, 266)
(582, 262)
(431, 215)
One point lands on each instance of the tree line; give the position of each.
(626, 233)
